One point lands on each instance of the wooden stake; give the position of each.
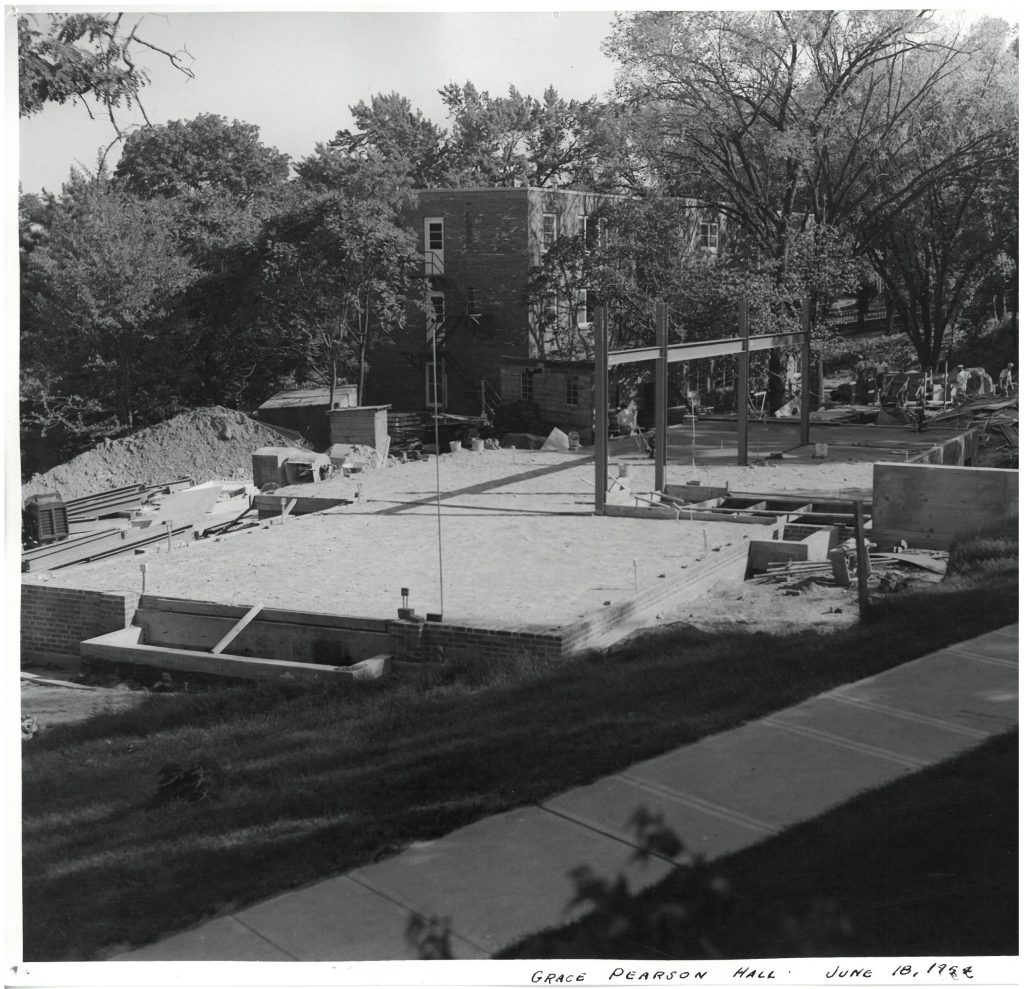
(863, 560)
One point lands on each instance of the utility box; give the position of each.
(45, 519)
(366, 425)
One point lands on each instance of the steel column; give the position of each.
(742, 383)
(660, 396)
(805, 373)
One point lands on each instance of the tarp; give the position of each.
(522, 441)
(557, 440)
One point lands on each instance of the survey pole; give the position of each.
(742, 384)
(600, 410)
(660, 396)
(805, 372)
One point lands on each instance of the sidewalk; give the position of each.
(507, 876)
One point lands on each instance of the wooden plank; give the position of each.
(863, 560)
(239, 625)
(35, 678)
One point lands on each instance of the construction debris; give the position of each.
(886, 571)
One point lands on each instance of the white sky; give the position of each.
(295, 74)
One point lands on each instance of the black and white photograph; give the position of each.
(517, 497)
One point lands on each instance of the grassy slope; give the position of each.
(318, 782)
(924, 866)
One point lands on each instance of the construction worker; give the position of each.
(1006, 385)
(861, 390)
(962, 377)
(881, 370)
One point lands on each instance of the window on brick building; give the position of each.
(526, 386)
(433, 245)
(437, 397)
(550, 231)
(572, 389)
(708, 237)
(472, 302)
(585, 303)
(435, 315)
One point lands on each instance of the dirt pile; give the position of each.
(203, 444)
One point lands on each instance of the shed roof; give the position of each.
(302, 397)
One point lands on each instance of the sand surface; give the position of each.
(514, 544)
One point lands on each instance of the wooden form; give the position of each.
(664, 354)
(273, 505)
(124, 648)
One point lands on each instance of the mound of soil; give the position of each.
(203, 444)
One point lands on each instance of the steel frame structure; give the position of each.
(663, 354)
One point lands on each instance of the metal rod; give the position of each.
(600, 409)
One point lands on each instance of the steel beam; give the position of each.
(707, 348)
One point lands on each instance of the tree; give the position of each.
(935, 249)
(500, 141)
(193, 157)
(390, 130)
(66, 57)
(338, 274)
(780, 118)
(106, 277)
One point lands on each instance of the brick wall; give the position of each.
(491, 239)
(427, 642)
(54, 620)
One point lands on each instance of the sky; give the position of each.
(295, 74)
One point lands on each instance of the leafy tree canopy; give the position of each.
(205, 154)
(65, 58)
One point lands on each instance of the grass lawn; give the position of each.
(924, 866)
(309, 782)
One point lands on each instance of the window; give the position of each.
(572, 389)
(708, 238)
(589, 233)
(585, 303)
(430, 374)
(472, 304)
(435, 315)
(526, 386)
(550, 231)
(433, 245)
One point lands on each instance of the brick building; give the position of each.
(478, 247)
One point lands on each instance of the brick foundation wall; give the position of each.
(54, 620)
(428, 642)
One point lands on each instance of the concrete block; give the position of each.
(929, 505)
(765, 551)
